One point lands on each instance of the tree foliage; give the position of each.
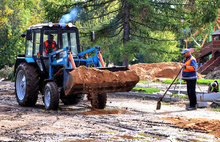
(135, 22)
(128, 31)
(15, 17)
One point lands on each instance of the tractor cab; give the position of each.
(64, 35)
(43, 39)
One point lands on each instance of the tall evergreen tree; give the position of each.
(131, 19)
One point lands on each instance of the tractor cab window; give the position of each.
(69, 40)
(29, 48)
(50, 42)
(73, 43)
(36, 43)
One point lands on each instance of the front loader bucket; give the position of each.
(85, 80)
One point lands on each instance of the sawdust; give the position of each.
(157, 71)
(210, 126)
(92, 79)
(101, 112)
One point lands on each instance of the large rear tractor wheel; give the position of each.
(98, 101)
(51, 96)
(26, 85)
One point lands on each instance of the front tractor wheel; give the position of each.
(51, 96)
(26, 85)
(98, 101)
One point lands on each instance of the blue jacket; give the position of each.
(189, 72)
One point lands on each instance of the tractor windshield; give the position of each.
(67, 38)
(50, 41)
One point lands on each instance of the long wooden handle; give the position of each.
(170, 85)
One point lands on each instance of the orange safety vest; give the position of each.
(188, 67)
(189, 72)
(53, 46)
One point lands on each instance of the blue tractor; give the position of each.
(49, 73)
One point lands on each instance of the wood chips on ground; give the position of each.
(210, 126)
(102, 111)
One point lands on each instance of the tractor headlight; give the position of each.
(50, 24)
(70, 25)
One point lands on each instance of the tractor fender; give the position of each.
(20, 59)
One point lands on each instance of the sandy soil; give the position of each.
(158, 71)
(92, 79)
(210, 126)
(123, 120)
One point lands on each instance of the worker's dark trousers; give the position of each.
(191, 91)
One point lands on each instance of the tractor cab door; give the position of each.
(29, 43)
(50, 39)
(32, 44)
(69, 39)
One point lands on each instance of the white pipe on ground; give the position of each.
(207, 97)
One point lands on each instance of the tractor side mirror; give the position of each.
(29, 34)
(92, 36)
(23, 35)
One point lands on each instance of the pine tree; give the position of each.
(131, 19)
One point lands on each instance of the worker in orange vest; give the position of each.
(50, 45)
(189, 75)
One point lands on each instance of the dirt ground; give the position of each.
(124, 119)
(210, 126)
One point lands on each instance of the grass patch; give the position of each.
(199, 81)
(175, 95)
(146, 90)
(207, 81)
(166, 104)
(170, 81)
(183, 96)
(144, 81)
(216, 109)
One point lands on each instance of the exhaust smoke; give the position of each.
(72, 16)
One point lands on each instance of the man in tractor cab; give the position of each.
(214, 87)
(50, 45)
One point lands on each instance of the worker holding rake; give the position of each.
(189, 75)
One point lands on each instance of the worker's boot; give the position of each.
(191, 108)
